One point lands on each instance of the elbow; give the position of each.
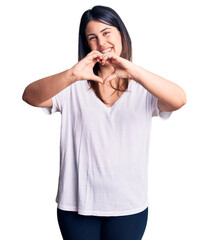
(181, 100)
(26, 98)
(184, 101)
(178, 101)
(180, 104)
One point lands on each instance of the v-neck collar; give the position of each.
(115, 103)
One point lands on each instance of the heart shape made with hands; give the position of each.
(110, 76)
(117, 63)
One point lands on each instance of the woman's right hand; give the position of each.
(83, 70)
(37, 94)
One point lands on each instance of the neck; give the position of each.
(105, 71)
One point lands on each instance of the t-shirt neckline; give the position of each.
(116, 102)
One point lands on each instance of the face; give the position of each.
(103, 37)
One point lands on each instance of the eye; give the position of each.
(92, 38)
(105, 33)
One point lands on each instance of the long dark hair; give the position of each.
(108, 16)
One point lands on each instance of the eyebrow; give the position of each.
(100, 31)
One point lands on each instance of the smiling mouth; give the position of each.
(105, 51)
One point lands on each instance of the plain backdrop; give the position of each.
(40, 38)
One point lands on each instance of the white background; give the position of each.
(40, 38)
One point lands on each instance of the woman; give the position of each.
(105, 131)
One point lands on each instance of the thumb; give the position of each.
(96, 78)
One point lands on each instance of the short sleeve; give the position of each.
(57, 103)
(156, 111)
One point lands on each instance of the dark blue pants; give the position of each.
(74, 226)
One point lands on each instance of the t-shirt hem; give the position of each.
(102, 213)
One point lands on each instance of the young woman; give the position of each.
(107, 103)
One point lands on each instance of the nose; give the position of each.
(101, 42)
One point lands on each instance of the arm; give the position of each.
(43, 90)
(40, 92)
(170, 96)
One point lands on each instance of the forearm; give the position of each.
(166, 91)
(45, 88)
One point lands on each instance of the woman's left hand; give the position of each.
(122, 67)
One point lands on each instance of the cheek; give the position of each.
(88, 43)
(118, 41)
(119, 44)
(93, 45)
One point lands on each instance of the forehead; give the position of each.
(96, 26)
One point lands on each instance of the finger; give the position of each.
(95, 58)
(95, 54)
(99, 59)
(97, 79)
(95, 51)
(110, 56)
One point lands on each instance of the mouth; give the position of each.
(105, 51)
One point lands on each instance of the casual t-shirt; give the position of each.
(104, 150)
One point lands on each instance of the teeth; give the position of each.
(105, 51)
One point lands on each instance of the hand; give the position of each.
(83, 70)
(122, 67)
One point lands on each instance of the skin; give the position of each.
(112, 67)
(100, 37)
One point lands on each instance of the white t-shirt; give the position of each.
(104, 150)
